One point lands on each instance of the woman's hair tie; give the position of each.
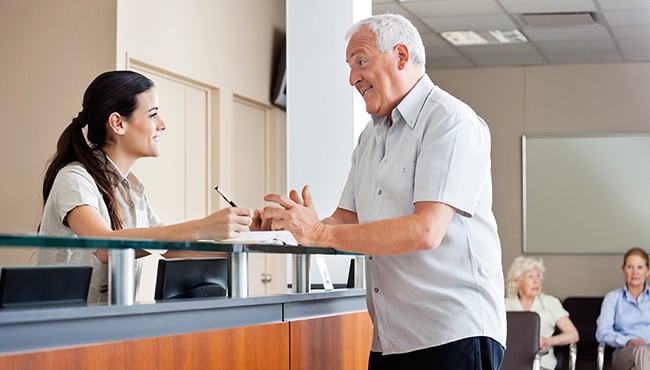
(80, 120)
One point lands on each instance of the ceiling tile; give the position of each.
(548, 6)
(624, 4)
(637, 56)
(575, 47)
(627, 21)
(419, 25)
(496, 61)
(433, 39)
(567, 34)
(475, 23)
(634, 44)
(628, 18)
(449, 63)
(397, 9)
(444, 51)
(451, 8)
(497, 50)
(631, 32)
(389, 8)
(584, 58)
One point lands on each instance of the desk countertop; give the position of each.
(44, 328)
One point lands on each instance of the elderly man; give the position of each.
(418, 203)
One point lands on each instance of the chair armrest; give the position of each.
(600, 360)
(573, 355)
(538, 357)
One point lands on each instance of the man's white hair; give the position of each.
(390, 30)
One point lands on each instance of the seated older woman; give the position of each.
(524, 293)
(624, 321)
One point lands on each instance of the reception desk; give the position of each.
(308, 330)
(317, 330)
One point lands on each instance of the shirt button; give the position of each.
(376, 290)
(370, 257)
(379, 191)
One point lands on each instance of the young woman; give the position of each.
(89, 190)
(624, 321)
(524, 293)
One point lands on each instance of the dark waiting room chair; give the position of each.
(522, 350)
(566, 356)
(584, 312)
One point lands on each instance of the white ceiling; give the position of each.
(621, 34)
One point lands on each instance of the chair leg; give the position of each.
(573, 356)
(601, 356)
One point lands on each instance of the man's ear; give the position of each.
(403, 55)
(116, 123)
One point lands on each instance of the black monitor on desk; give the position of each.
(43, 285)
(191, 278)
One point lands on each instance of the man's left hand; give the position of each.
(296, 215)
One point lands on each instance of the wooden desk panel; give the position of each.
(335, 342)
(255, 347)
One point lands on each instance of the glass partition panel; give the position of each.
(33, 241)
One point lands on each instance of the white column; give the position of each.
(321, 104)
(325, 114)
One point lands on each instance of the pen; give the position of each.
(224, 196)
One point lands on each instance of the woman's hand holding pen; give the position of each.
(257, 223)
(225, 224)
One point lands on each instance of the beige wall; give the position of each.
(558, 99)
(52, 50)
(229, 45)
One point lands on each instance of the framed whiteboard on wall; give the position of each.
(586, 193)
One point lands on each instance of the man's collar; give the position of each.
(409, 108)
(412, 103)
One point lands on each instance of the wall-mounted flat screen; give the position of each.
(586, 194)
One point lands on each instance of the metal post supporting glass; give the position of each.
(121, 276)
(239, 274)
(300, 279)
(360, 272)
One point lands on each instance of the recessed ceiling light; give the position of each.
(558, 20)
(489, 37)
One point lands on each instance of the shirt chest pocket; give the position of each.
(399, 178)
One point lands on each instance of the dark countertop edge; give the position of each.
(28, 330)
(34, 315)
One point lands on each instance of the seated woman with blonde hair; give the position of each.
(524, 293)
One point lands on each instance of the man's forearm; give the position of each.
(419, 231)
